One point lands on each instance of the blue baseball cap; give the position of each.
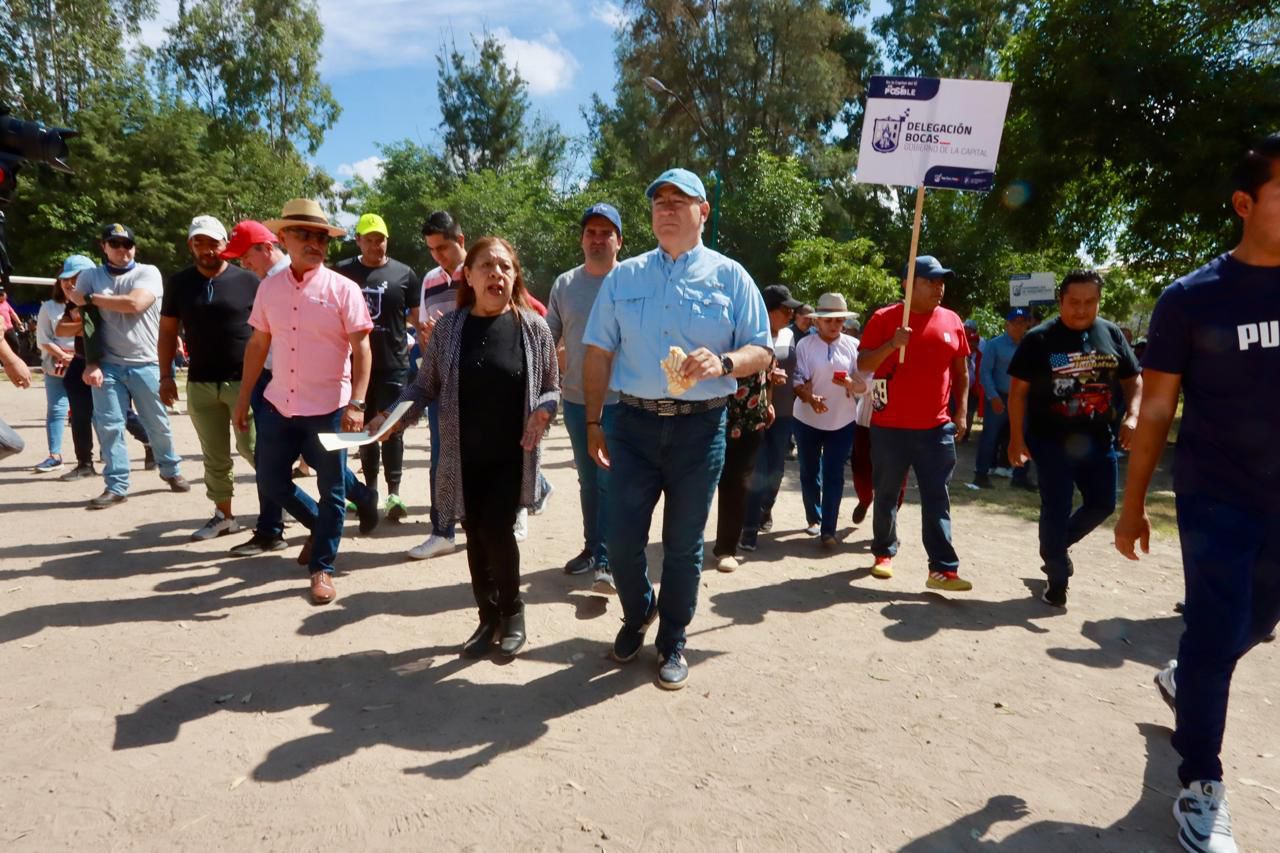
(75, 265)
(682, 179)
(608, 211)
(927, 266)
(1018, 313)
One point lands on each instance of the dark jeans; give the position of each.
(680, 457)
(1075, 461)
(280, 441)
(822, 453)
(491, 498)
(593, 481)
(384, 389)
(438, 527)
(766, 479)
(932, 454)
(1231, 562)
(735, 477)
(270, 516)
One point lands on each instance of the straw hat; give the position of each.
(832, 305)
(304, 213)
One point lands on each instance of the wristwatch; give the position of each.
(358, 405)
(726, 365)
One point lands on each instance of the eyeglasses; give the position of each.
(120, 244)
(306, 235)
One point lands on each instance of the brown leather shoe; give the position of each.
(322, 591)
(304, 556)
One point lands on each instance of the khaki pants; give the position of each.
(210, 405)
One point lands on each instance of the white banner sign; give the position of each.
(933, 131)
(1032, 288)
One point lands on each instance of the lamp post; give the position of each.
(653, 84)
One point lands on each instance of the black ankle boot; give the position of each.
(512, 634)
(479, 642)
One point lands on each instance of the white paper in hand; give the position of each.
(349, 440)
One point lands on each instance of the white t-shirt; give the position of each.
(818, 360)
(46, 324)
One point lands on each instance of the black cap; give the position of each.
(778, 296)
(116, 231)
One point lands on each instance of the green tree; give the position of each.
(948, 38)
(854, 268)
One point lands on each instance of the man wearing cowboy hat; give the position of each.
(210, 302)
(910, 424)
(683, 295)
(126, 295)
(315, 324)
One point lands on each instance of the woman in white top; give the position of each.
(827, 383)
(55, 355)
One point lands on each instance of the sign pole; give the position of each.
(911, 266)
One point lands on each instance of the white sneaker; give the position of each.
(432, 546)
(217, 526)
(541, 506)
(1166, 680)
(603, 583)
(1204, 822)
(1001, 472)
(522, 525)
(812, 530)
(727, 563)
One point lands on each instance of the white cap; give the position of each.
(208, 226)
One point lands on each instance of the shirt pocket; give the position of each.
(707, 319)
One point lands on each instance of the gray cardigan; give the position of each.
(437, 381)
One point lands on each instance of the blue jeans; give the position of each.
(680, 457)
(282, 440)
(767, 478)
(822, 454)
(55, 412)
(1065, 464)
(993, 424)
(433, 423)
(1231, 562)
(593, 481)
(110, 405)
(932, 453)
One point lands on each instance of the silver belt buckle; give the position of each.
(666, 408)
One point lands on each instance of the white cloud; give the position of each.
(609, 13)
(370, 169)
(545, 64)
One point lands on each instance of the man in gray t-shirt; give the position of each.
(124, 298)
(568, 308)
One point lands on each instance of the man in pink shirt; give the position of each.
(315, 324)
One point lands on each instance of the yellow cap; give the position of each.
(371, 223)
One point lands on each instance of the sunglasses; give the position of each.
(120, 244)
(306, 235)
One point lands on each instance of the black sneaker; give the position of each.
(260, 543)
(177, 483)
(860, 513)
(368, 512)
(630, 640)
(766, 523)
(106, 499)
(79, 472)
(581, 564)
(148, 459)
(674, 672)
(983, 481)
(1055, 594)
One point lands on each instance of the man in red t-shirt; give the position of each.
(911, 427)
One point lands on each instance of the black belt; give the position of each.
(667, 407)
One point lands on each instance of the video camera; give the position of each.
(21, 141)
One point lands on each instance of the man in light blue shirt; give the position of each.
(684, 295)
(994, 375)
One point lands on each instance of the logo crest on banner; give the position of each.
(887, 131)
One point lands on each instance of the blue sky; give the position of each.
(379, 60)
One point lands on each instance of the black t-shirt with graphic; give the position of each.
(389, 290)
(1074, 377)
(214, 314)
(1219, 329)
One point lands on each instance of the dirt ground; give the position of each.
(159, 695)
